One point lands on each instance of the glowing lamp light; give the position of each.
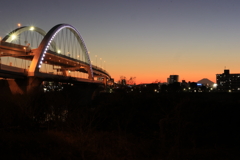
(31, 28)
(13, 36)
(59, 51)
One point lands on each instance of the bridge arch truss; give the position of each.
(44, 47)
(49, 47)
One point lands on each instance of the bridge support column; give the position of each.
(24, 86)
(89, 73)
(105, 81)
(64, 72)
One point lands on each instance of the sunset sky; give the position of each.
(146, 39)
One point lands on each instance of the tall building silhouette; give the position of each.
(228, 82)
(172, 79)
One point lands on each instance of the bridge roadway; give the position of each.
(20, 82)
(52, 58)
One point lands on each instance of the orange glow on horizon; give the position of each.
(148, 78)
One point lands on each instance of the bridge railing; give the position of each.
(12, 68)
(68, 57)
(100, 69)
(81, 62)
(12, 45)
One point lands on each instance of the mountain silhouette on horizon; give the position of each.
(205, 81)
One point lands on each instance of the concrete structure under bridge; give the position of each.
(29, 56)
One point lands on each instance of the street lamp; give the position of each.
(19, 25)
(25, 49)
(96, 59)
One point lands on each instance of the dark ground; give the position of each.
(129, 126)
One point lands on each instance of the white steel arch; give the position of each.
(44, 47)
(9, 38)
(20, 30)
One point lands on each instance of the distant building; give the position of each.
(184, 84)
(172, 79)
(228, 82)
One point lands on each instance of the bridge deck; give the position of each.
(15, 72)
(52, 58)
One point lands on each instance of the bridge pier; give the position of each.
(105, 81)
(24, 86)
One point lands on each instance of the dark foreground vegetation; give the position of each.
(129, 126)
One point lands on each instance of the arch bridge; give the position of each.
(29, 53)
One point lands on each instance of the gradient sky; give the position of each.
(146, 39)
